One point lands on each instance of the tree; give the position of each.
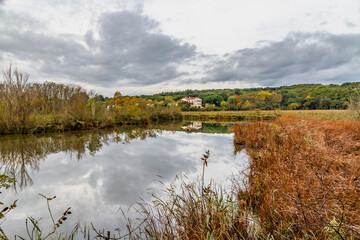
(238, 100)
(355, 101)
(168, 100)
(213, 99)
(184, 106)
(223, 105)
(263, 100)
(247, 105)
(231, 103)
(76, 106)
(117, 95)
(99, 98)
(18, 99)
(293, 106)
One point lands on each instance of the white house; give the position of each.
(193, 126)
(194, 101)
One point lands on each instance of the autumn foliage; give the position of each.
(138, 110)
(48, 107)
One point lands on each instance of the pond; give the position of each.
(98, 172)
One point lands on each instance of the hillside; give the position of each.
(302, 96)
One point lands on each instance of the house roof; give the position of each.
(191, 98)
(191, 128)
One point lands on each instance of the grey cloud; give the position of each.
(301, 54)
(130, 50)
(114, 170)
(350, 24)
(1, 9)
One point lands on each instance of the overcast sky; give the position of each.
(150, 46)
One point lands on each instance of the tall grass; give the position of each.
(302, 181)
(193, 213)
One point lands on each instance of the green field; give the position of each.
(258, 114)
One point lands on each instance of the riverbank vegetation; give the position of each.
(303, 179)
(47, 107)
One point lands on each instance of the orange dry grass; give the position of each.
(303, 177)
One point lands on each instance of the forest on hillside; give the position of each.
(295, 97)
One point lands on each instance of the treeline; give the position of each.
(295, 97)
(45, 107)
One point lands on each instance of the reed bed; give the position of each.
(303, 180)
(189, 211)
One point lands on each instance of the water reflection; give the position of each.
(97, 172)
(193, 126)
(20, 154)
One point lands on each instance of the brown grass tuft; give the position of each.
(303, 176)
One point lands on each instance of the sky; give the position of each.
(151, 46)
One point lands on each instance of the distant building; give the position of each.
(193, 126)
(194, 101)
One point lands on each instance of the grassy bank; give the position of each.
(228, 115)
(44, 123)
(323, 114)
(268, 114)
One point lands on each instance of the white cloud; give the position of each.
(228, 25)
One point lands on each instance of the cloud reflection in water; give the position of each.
(101, 174)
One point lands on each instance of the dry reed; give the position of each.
(303, 177)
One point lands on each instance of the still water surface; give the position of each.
(98, 172)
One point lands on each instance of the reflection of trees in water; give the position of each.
(19, 154)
